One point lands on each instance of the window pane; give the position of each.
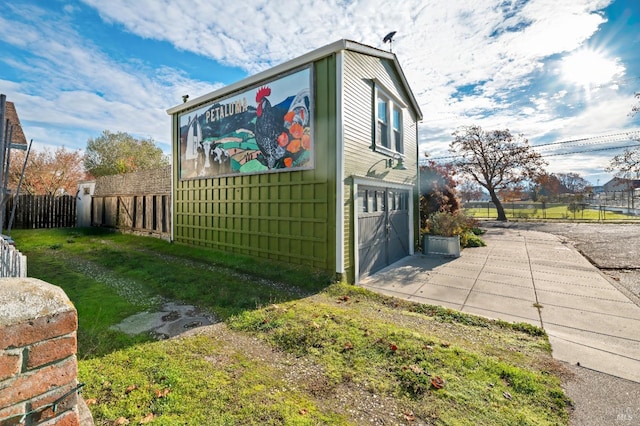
(362, 196)
(383, 135)
(382, 110)
(381, 199)
(397, 130)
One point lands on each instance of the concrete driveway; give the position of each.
(534, 277)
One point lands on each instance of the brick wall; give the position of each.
(38, 363)
(156, 182)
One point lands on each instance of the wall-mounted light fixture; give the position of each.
(399, 164)
(394, 163)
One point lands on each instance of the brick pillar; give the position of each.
(38, 363)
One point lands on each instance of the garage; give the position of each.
(383, 227)
(271, 166)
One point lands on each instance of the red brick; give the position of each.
(68, 403)
(36, 330)
(10, 365)
(38, 382)
(11, 416)
(68, 418)
(51, 350)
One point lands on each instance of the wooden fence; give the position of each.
(41, 211)
(12, 262)
(145, 214)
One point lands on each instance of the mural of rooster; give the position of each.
(269, 128)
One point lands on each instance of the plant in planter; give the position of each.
(447, 233)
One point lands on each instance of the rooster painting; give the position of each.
(269, 128)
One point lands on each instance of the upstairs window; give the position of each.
(388, 127)
(397, 129)
(383, 122)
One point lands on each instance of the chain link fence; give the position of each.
(619, 206)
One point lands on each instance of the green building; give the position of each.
(312, 162)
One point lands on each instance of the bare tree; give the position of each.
(469, 191)
(636, 108)
(495, 159)
(573, 182)
(626, 165)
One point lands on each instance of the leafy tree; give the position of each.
(437, 191)
(495, 159)
(115, 153)
(48, 172)
(547, 185)
(511, 193)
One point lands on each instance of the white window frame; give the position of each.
(394, 130)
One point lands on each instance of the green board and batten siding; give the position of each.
(286, 216)
(359, 72)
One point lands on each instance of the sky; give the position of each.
(561, 73)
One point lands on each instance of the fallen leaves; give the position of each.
(437, 382)
(416, 369)
(121, 421)
(147, 419)
(162, 393)
(130, 389)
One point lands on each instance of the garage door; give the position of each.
(383, 227)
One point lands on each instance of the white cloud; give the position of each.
(500, 46)
(68, 82)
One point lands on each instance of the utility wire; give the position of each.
(593, 140)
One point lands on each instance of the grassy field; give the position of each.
(555, 212)
(292, 347)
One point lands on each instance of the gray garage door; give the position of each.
(383, 227)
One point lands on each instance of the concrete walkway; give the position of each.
(529, 276)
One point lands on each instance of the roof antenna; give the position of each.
(389, 39)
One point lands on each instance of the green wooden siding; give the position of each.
(286, 216)
(359, 72)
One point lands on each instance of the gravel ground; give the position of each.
(613, 248)
(600, 399)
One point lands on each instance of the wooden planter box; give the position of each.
(435, 244)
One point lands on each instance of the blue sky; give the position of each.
(552, 70)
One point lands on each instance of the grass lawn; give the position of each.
(292, 347)
(555, 212)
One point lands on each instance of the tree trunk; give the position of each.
(501, 214)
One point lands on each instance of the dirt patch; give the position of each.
(171, 320)
(353, 400)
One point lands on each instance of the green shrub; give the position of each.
(478, 231)
(470, 239)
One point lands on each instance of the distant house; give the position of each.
(619, 184)
(17, 136)
(312, 162)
